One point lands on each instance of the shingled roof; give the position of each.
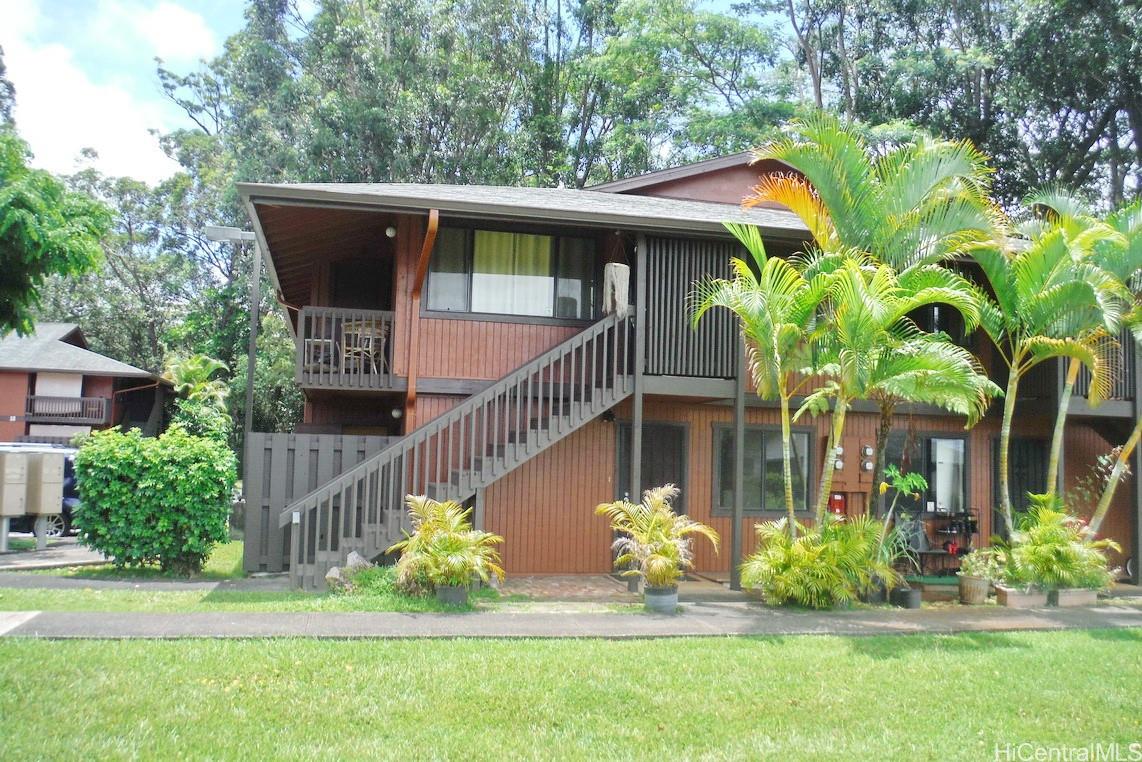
(647, 213)
(46, 350)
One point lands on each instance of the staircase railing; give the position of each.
(462, 450)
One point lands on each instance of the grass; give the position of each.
(376, 593)
(224, 563)
(920, 697)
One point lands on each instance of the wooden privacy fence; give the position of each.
(283, 467)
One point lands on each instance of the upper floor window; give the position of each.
(512, 274)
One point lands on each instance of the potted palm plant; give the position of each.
(977, 570)
(655, 544)
(444, 553)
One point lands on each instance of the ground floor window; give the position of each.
(943, 462)
(763, 478)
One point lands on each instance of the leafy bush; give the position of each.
(443, 549)
(982, 563)
(203, 419)
(1053, 550)
(148, 500)
(821, 567)
(654, 542)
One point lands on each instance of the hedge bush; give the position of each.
(162, 500)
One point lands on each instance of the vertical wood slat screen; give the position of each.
(673, 348)
(1122, 386)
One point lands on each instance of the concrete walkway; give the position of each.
(278, 583)
(696, 619)
(61, 552)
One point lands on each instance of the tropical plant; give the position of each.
(912, 483)
(1053, 550)
(1113, 247)
(1043, 296)
(982, 562)
(194, 376)
(443, 548)
(823, 566)
(654, 542)
(776, 307)
(874, 348)
(908, 209)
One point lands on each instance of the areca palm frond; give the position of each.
(443, 548)
(919, 203)
(654, 542)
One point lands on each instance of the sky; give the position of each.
(84, 73)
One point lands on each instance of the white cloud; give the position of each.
(174, 33)
(60, 109)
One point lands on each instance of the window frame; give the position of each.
(716, 509)
(925, 454)
(499, 317)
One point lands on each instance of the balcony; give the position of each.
(80, 411)
(344, 348)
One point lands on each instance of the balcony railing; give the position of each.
(344, 348)
(90, 411)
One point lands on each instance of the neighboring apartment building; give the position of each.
(53, 387)
(456, 341)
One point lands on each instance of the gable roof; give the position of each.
(45, 351)
(568, 205)
(673, 173)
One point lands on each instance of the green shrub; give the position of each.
(162, 500)
(1053, 550)
(983, 563)
(443, 550)
(203, 419)
(822, 567)
(654, 542)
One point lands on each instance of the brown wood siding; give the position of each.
(545, 508)
(484, 350)
(13, 399)
(1083, 446)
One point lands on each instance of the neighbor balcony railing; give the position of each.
(92, 411)
(344, 348)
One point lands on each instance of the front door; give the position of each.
(663, 459)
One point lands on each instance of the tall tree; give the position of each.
(7, 94)
(45, 229)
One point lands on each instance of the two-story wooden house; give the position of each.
(52, 387)
(471, 342)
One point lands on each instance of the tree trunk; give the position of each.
(787, 466)
(887, 409)
(1060, 424)
(1115, 476)
(1004, 446)
(830, 455)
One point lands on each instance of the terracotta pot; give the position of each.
(1076, 596)
(1020, 599)
(661, 600)
(453, 595)
(974, 590)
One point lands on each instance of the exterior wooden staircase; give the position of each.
(464, 450)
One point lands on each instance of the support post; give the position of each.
(1137, 480)
(414, 318)
(1060, 382)
(639, 367)
(4, 534)
(40, 530)
(478, 510)
(739, 470)
(252, 348)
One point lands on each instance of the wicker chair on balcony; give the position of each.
(363, 347)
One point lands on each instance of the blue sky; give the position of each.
(84, 74)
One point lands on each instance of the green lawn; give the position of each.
(895, 697)
(224, 563)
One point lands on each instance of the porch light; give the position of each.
(391, 232)
(397, 413)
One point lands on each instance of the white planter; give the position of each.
(661, 600)
(1075, 597)
(1014, 598)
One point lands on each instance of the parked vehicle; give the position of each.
(58, 525)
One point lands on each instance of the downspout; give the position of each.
(414, 318)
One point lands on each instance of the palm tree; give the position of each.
(873, 350)
(912, 208)
(776, 307)
(1112, 246)
(193, 375)
(1041, 299)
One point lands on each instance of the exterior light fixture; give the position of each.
(391, 231)
(397, 413)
